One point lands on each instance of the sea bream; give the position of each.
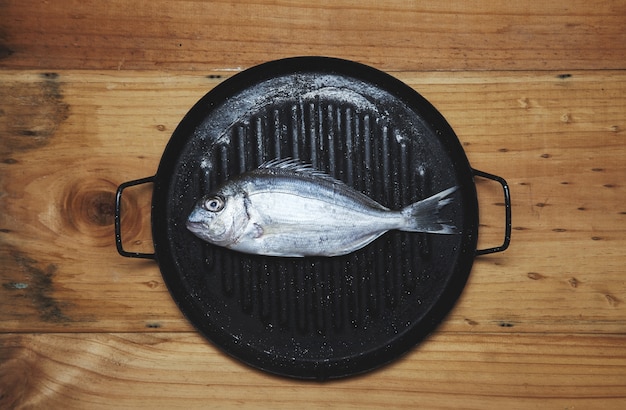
(287, 208)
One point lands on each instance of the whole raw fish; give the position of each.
(286, 208)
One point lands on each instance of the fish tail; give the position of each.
(423, 216)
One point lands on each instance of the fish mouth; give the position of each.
(195, 222)
(195, 227)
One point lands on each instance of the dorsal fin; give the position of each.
(287, 163)
(295, 165)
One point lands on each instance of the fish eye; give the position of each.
(214, 204)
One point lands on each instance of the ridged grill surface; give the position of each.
(323, 295)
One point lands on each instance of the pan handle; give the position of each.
(507, 210)
(118, 219)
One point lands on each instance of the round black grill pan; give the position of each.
(320, 317)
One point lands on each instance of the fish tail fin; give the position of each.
(423, 216)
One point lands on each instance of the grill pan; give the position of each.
(316, 317)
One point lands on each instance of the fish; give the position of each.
(287, 208)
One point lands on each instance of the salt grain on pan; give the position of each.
(206, 164)
(400, 138)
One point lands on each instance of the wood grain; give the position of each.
(180, 370)
(564, 162)
(395, 35)
(90, 93)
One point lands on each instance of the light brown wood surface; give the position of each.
(392, 35)
(90, 93)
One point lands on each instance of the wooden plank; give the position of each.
(393, 35)
(70, 137)
(179, 370)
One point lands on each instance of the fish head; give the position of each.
(218, 218)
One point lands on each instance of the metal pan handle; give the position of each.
(118, 219)
(507, 210)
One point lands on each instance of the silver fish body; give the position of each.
(285, 208)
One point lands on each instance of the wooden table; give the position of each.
(90, 93)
